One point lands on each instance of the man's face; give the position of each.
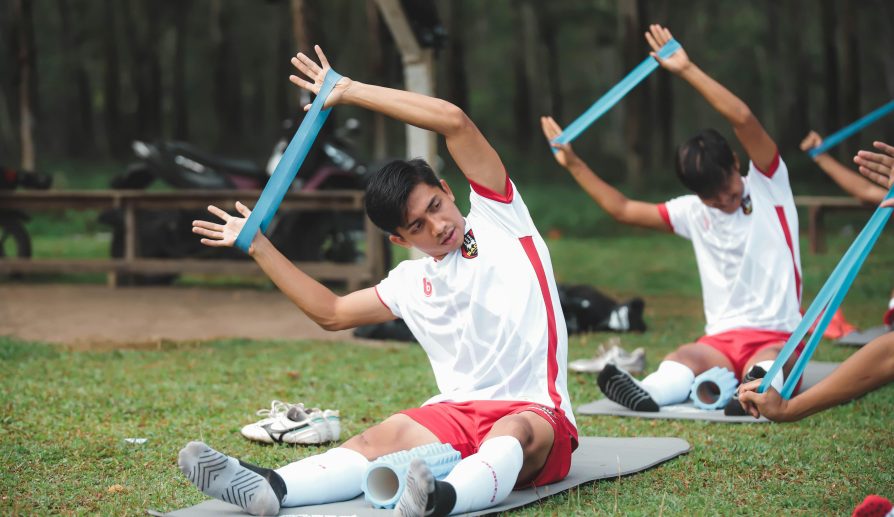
(729, 199)
(433, 223)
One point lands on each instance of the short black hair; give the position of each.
(389, 188)
(705, 162)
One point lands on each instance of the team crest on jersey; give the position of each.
(470, 245)
(747, 208)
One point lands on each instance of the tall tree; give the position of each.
(850, 73)
(145, 66)
(457, 81)
(828, 35)
(631, 55)
(227, 75)
(181, 111)
(376, 69)
(27, 82)
(79, 123)
(111, 82)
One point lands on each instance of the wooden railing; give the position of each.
(131, 202)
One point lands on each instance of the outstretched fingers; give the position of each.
(323, 61)
(225, 217)
(550, 128)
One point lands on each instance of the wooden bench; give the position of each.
(131, 202)
(817, 206)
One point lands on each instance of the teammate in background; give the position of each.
(855, 185)
(869, 368)
(744, 230)
(483, 304)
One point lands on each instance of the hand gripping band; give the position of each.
(288, 165)
(844, 133)
(713, 388)
(614, 95)
(827, 301)
(386, 477)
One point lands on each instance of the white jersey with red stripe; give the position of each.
(488, 313)
(749, 263)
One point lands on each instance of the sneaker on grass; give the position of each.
(634, 362)
(294, 424)
(620, 387)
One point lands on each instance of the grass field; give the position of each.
(66, 414)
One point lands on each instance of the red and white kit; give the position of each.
(488, 314)
(749, 263)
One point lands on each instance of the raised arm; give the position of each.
(847, 179)
(472, 153)
(869, 368)
(330, 311)
(616, 204)
(757, 143)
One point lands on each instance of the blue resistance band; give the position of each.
(844, 133)
(827, 302)
(288, 165)
(614, 95)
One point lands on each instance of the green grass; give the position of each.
(66, 414)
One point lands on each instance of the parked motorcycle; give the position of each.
(300, 236)
(14, 238)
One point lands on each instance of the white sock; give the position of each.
(777, 381)
(486, 478)
(335, 475)
(222, 477)
(671, 384)
(891, 303)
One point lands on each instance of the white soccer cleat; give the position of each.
(634, 362)
(294, 424)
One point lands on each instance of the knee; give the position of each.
(518, 428)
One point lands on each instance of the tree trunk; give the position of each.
(111, 104)
(181, 110)
(145, 68)
(457, 88)
(27, 80)
(830, 62)
(376, 70)
(79, 127)
(664, 99)
(227, 76)
(302, 37)
(850, 73)
(631, 55)
(548, 31)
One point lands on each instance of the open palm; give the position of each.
(221, 235)
(315, 74)
(657, 37)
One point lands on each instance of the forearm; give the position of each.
(869, 368)
(313, 298)
(608, 197)
(849, 180)
(411, 108)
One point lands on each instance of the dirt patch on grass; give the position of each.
(97, 317)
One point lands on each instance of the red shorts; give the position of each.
(740, 345)
(464, 425)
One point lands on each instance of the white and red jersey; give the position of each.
(749, 264)
(488, 313)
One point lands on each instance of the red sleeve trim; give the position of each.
(771, 170)
(379, 296)
(494, 196)
(662, 211)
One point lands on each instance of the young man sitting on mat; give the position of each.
(744, 229)
(483, 305)
(869, 368)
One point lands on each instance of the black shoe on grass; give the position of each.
(733, 408)
(619, 386)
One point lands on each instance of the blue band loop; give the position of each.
(614, 95)
(288, 166)
(844, 133)
(827, 301)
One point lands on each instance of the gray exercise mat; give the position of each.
(595, 458)
(815, 372)
(860, 338)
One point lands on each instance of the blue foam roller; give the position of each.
(384, 480)
(720, 385)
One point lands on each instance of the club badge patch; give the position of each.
(470, 245)
(746, 205)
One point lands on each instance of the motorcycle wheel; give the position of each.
(14, 241)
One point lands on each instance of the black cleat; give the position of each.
(618, 386)
(733, 408)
